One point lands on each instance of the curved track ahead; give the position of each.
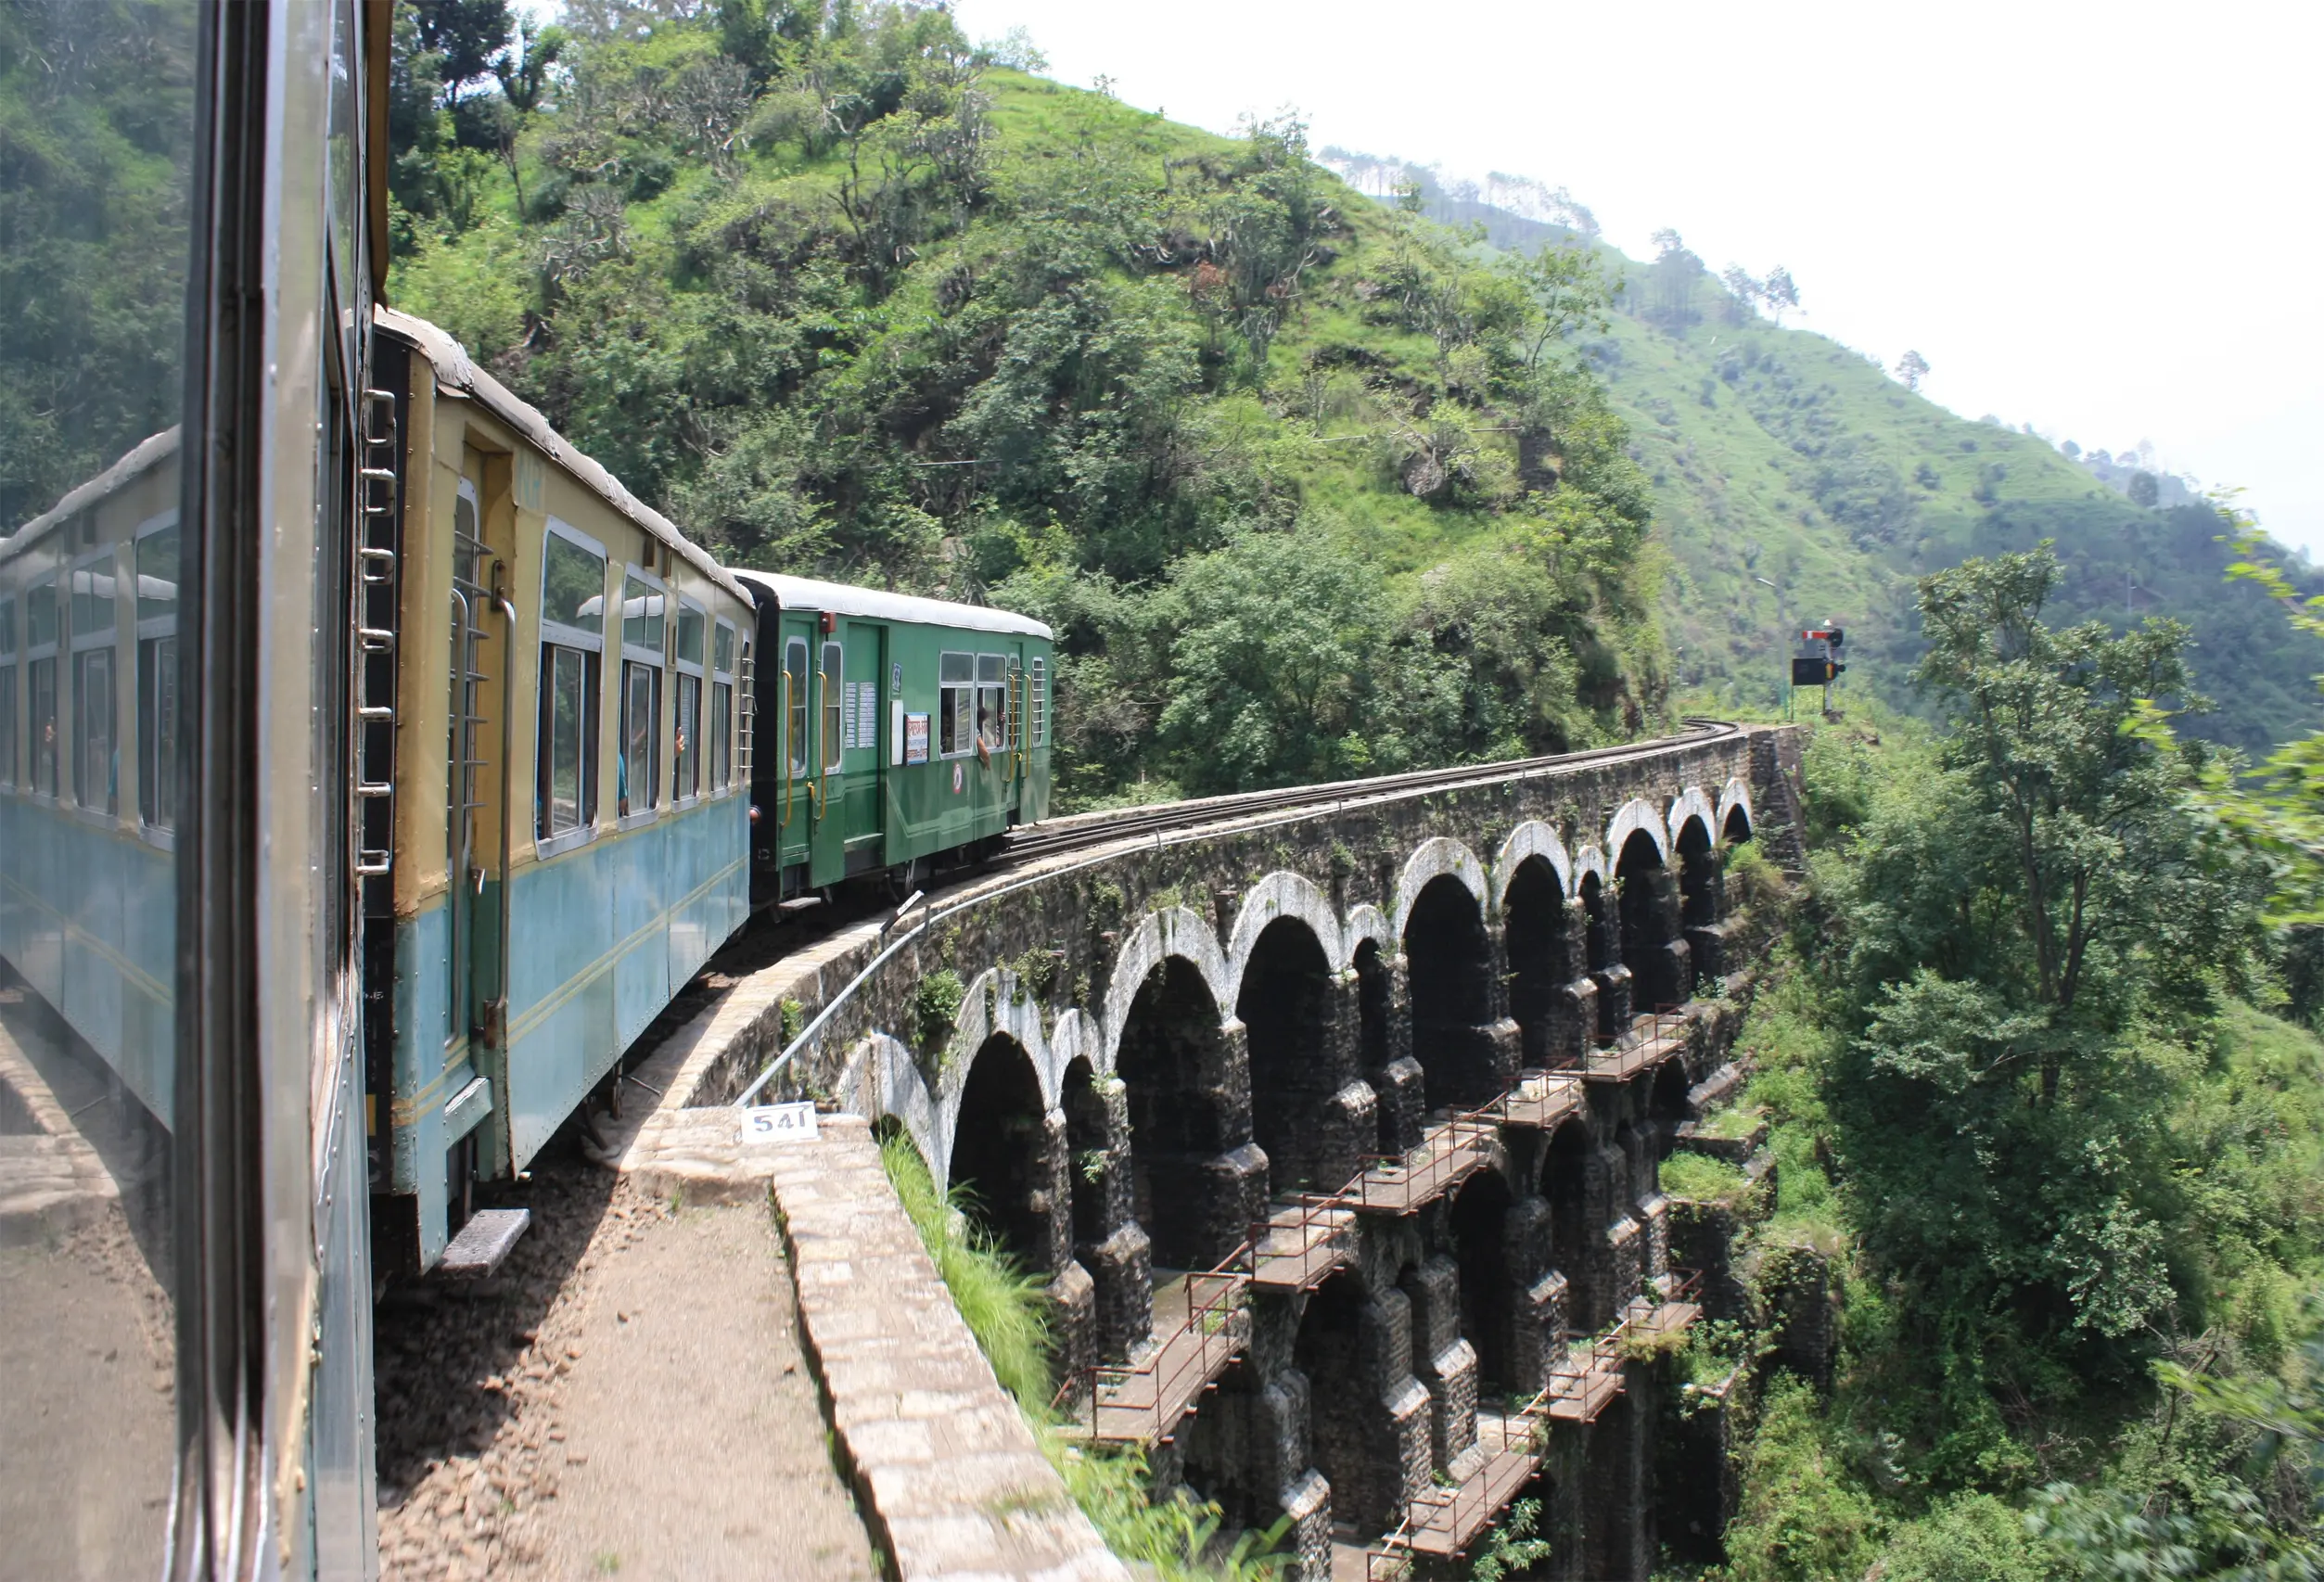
(1095, 829)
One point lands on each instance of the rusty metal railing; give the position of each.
(1397, 1184)
(1141, 1402)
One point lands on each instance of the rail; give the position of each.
(1141, 1402)
(1191, 816)
(1650, 1035)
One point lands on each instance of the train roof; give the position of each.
(457, 376)
(143, 457)
(875, 604)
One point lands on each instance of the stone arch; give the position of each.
(1308, 1114)
(998, 1001)
(899, 1094)
(1008, 1154)
(1093, 1155)
(1172, 933)
(1452, 962)
(1365, 921)
(1337, 1350)
(1439, 858)
(1566, 1182)
(1197, 1183)
(1530, 840)
(1652, 948)
(1735, 797)
(1700, 898)
(1669, 1104)
(1394, 1077)
(1689, 803)
(1479, 1221)
(1534, 936)
(1602, 945)
(1279, 895)
(1635, 816)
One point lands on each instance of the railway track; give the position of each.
(1058, 836)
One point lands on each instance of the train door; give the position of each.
(827, 852)
(464, 761)
(793, 813)
(860, 739)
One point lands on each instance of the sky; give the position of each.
(2091, 218)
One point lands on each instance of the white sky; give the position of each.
(2099, 219)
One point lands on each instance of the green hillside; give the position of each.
(1777, 453)
(1306, 489)
(844, 296)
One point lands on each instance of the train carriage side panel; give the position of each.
(626, 860)
(87, 887)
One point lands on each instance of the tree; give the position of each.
(2027, 926)
(1742, 293)
(466, 35)
(1780, 292)
(1912, 368)
(1676, 270)
(1569, 290)
(2145, 490)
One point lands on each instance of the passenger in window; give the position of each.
(986, 741)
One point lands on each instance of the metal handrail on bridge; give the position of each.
(1196, 1350)
(1138, 821)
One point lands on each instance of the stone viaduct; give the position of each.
(1144, 1059)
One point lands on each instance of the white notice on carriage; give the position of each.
(779, 1123)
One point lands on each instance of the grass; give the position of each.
(1179, 1539)
(1698, 1177)
(999, 1304)
(1734, 1121)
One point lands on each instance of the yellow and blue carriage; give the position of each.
(570, 769)
(88, 721)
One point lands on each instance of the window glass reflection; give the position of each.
(94, 248)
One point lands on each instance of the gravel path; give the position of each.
(625, 1398)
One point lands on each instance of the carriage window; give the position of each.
(641, 614)
(96, 769)
(687, 761)
(92, 600)
(7, 692)
(795, 692)
(573, 586)
(156, 678)
(41, 698)
(956, 725)
(156, 731)
(641, 712)
(568, 792)
(687, 758)
(993, 701)
(40, 616)
(572, 648)
(641, 637)
(1037, 691)
(722, 709)
(834, 673)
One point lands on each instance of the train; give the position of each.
(374, 769)
(622, 780)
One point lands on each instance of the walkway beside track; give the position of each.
(950, 1473)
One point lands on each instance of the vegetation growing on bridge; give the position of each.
(1177, 1539)
(2037, 1079)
